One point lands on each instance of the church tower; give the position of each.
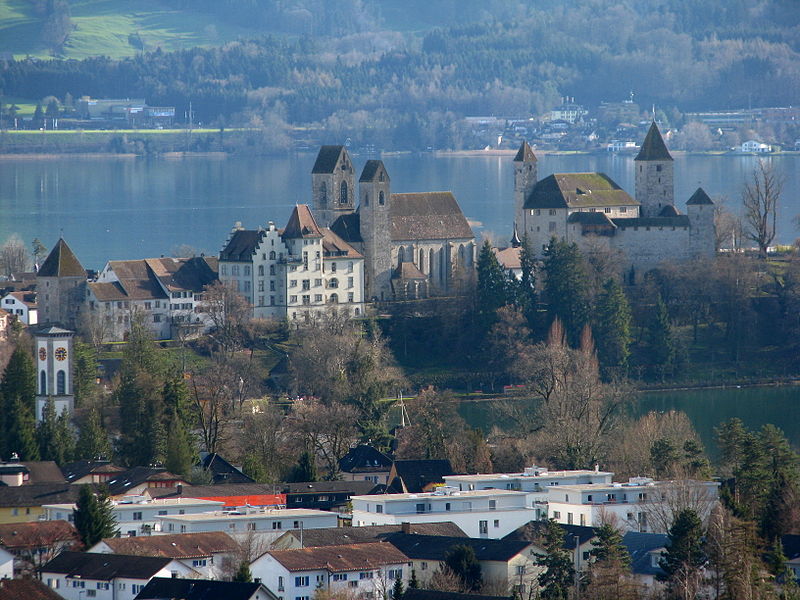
(54, 370)
(654, 174)
(60, 286)
(375, 227)
(332, 185)
(524, 180)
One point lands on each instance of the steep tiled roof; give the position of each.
(222, 471)
(639, 546)
(416, 474)
(61, 262)
(242, 245)
(327, 158)
(183, 274)
(364, 459)
(342, 536)
(136, 476)
(577, 190)
(371, 170)
(159, 588)
(182, 545)
(26, 298)
(348, 227)
(104, 567)
(427, 216)
(81, 468)
(408, 270)
(36, 534)
(590, 218)
(653, 147)
(700, 197)
(435, 547)
(508, 257)
(37, 494)
(354, 557)
(301, 224)
(44, 471)
(533, 530)
(109, 292)
(525, 153)
(335, 247)
(29, 589)
(669, 210)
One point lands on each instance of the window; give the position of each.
(623, 209)
(277, 525)
(333, 267)
(137, 516)
(497, 523)
(381, 197)
(272, 300)
(261, 286)
(350, 297)
(280, 583)
(91, 593)
(552, 212)
(658, 168)
(607, 210)
(251, 526)
(183, 528)
(317, 297)
(483, 527)
(343, 193)
(492, 504)
(162, 512)
(340, 576)
(306, 284)
(423, 566)
(102, 586)
(378, 508)
(349, 282)
(292, 298)
(420, 507)
(353, 584)
(520, 569)
(199, 563)
(333, 283)
(552, 226)
(583, 520)
(235, 270)
(395, 574)
(292, 283)
(301, 581)
(366, 575)
(569, 518)
(307, 299)
(43, 383)
(156, 318)
(447, 506)
(556, 514)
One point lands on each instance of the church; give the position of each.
(591, 210)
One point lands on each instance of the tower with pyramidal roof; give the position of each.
(654, 174)
(60, 286)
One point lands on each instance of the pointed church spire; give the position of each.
(525, 153)
(515, 241)
(653, 147)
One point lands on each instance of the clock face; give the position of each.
(61, 353)
(42, 354)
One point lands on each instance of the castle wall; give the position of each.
(543, 224)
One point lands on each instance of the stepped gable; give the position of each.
(653, 147)
(525, 153)
(427, 216)
(699, 197)
(348, 227)
(302, 224)
(371, 170)
(327, 158)
(577, 190)
(242, 245)
(61, 262)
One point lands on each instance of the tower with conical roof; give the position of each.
(524, 180)
(654, 174)
(60, 286)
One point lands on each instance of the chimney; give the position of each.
(179, 489)
(405, 527)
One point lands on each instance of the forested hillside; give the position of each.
(364, 61)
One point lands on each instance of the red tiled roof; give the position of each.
(354, 557)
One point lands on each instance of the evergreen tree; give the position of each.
(306, 468)
(492, 289)
(93, 440)
(413, 583)
(38, 115)
(660, 340)
(84, 380)
(612, 330)
(180, 454)
(142, 440)
(93, 517)
(55, 437)
(559, 574)
(460, 559)
(253, 467)
(527, 283)
(176, 395)
(243, 574)
(397, 590)
(21, 438)
(566, 287)
(609, 572)
(684, 558)
(19, 381)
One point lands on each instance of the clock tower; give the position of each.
(54, 370)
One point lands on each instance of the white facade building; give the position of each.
(295, 272)
(756, 146)
(22, 305)
(366, 571)
(479, 513)
(138, 516)
(641, 504)
(54, 367)
(250, 519)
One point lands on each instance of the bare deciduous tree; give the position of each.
(668, 498)
(229, 312)
(214, 393)
(328, 429)
(13, 256)
(760, 197)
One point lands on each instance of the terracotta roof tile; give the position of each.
(336, 247)
(353, 557)
(29, 589)
(302, 224)
(182, 545)
(36, 534)
(427, 216)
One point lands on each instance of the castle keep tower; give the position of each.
(654, 174)
(54, 368)
(702, 233)
(61, 286)
(332, 184)
(374, 224)
(524, 180)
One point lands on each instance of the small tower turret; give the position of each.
(702, 231)
(524, 180)
(654, 174)
(373, 213)
(332, 184)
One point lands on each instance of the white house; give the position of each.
(82, 575)
(295, 272)
(6, 564)
(756, 146)
(641, 504)
(212, 554)
(248, 519)
(479, 513)
(136, 515)
(22, 305)
(358, 570)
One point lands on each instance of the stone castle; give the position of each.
(591, 210)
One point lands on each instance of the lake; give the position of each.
(112, 208)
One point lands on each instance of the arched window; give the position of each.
(380, 176)
(272, 254)
(43, 383)
(334, 299)
(272, 269)
(461, 261)
(366, 198)
(333, 283)
(261, 270)
(61, 383)
(343, 193)
(431, 257)
(323, 194)
(381, 199)
(422, 260)
(401, 255)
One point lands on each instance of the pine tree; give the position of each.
(180, 454)
(38, 115)
(21, 437)
(461, 560)
(397, 590)
(559, 574)
(492, 289)
(55, 437)
(93, 440)
(306, 468)
(413, 583)
(243, 575)
(93, 517)
(19, 381)
(84, 362)
(253, 467)
(612, 329)
(176, 395)
(660, 339)
(609, 572)
(566, 287)
(684, 558)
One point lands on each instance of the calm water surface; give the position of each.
(111, 208)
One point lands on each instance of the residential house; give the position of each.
(221, 471)
(645, 550)
(479, 513)
(505, 564)
(579, 541)
(137, 480)
(29, 589)
(5, 324)
(91, 471)
(791, 549)
(137, 515)
(22, 305)
(414, 476)
(509, 258)
(754, 146)
(232, 495)
(168, 292)
(248, 519)
(212, 554)
(344, 536)
(35, 543)
(360, 570)
(163, 588)
(365, 463)
(23, 503)
(325, 495)
(81, 575)
(294, 273)
(641, 504)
